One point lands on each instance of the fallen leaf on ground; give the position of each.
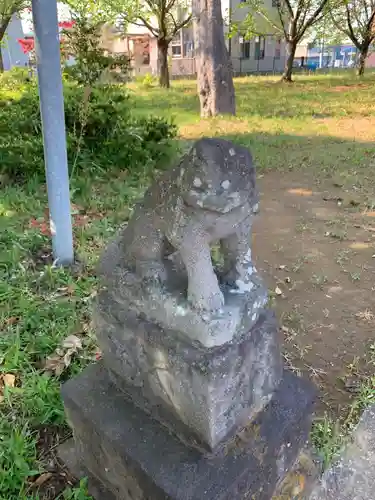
(54, 365)
(58, 361)
(86, 327)
(68, 357)
(72, 342)
(11, 320)
(80, 220)
(42, 479)
(6, 380)
(9, 379)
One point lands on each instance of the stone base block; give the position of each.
(136, 458)
(167, 304)
(67, 454)
(211, 391)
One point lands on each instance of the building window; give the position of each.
(278, 48)
(189, 49)
(244, 48)
(260, 47)
(176, 51)
(176, 46)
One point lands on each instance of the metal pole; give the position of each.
(53, 124)
(321, 59)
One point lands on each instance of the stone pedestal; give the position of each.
(202, 394)
(190, 400)
(160, 418)
(135, 457)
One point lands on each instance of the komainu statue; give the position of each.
(209, 196)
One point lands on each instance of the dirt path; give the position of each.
(318, 250)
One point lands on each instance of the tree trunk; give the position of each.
(214, 69)
(362, 61)
(3, 28)
(290, 53)
(163, 63)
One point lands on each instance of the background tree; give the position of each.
(82, 39)
(7, 9)
(163, 18)
(214, 69)
(324, 36)
(356, 20)
(326, 33)
(293, 20)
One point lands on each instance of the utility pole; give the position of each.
(50, 86)
(322, 47)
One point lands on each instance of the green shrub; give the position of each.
(15, 77)
(102, 133)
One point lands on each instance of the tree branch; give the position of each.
(4, 23)
(145, 23)
(174, 29)
(181, 24)
(151, 5)
(282, 20)
(300, 6)
(289, 7)
(351, 33)
(265, 16)
(162, 19)
(314, 18)
(365, 6)
(371, 22)
(170, 5)
(302, 22)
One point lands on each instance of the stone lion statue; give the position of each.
(209, 196)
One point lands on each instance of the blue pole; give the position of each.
(53, 124)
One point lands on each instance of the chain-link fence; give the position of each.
(186, 67)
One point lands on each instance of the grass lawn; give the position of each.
(320, 131)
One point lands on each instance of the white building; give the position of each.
(10, 48)
(264, 53)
